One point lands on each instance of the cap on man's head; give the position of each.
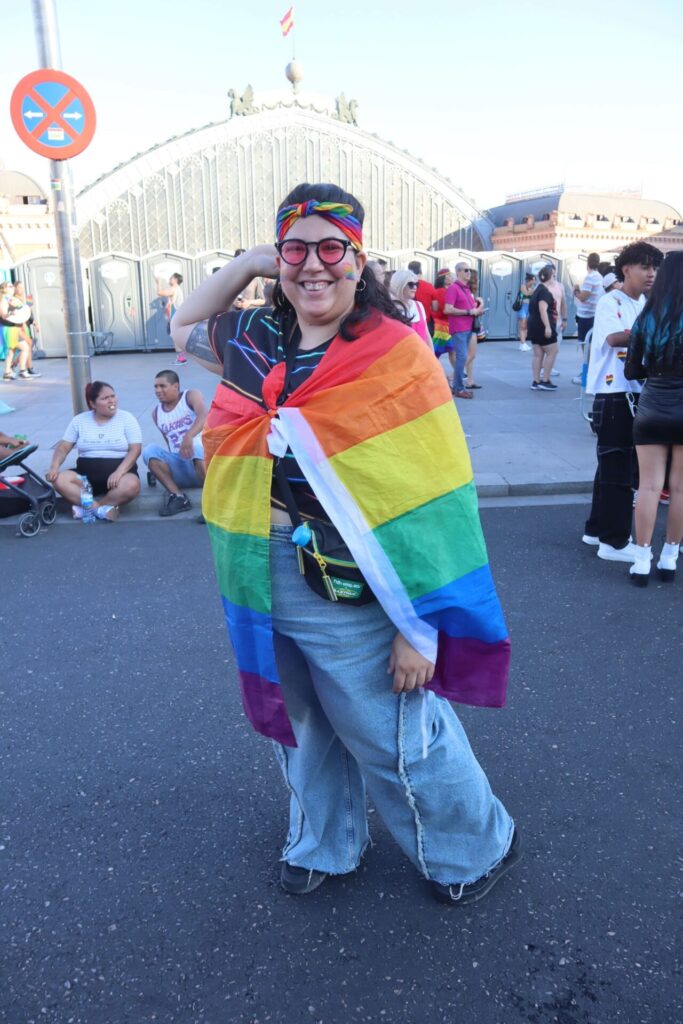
(608, 280)
(530, 275)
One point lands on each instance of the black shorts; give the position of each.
(98, 472)
(542, 340)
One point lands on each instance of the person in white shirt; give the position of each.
(609, 524)
(588, 296)
(108, 441)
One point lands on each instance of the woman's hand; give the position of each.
(51, 475)
(114, 480)
(261, 260)
(547, 333)
(409, 667)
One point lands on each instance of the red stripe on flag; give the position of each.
(287, 23)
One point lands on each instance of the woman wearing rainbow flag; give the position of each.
(332, 416)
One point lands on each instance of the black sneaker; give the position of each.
(547, 385)
(535, 385)
(33, 373)
(174, 504)
(461, 895)
(300, 881)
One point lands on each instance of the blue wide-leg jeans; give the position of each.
(410, 750)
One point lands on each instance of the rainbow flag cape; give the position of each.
(376, 434)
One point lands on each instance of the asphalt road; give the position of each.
(141, 819)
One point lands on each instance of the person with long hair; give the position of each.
(655, 352)
(108, 441)
(526, 290)
(402, 289)
(333, 430)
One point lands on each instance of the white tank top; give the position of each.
(176, 423)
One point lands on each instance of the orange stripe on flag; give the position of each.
(287, 23)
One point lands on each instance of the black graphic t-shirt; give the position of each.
(248, 344)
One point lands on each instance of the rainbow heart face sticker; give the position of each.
(349, 271)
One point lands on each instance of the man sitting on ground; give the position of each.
(180, 417)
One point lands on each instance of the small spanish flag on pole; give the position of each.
(287, 23)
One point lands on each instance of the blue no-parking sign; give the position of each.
(53, 114)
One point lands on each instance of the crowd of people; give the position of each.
(330, 455)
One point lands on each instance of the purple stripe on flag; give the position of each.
(471, 671)
(265, 708)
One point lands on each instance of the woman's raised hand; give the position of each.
(262, 260)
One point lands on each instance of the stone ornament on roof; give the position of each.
(242, 105)
(346, 112)
(342, 110)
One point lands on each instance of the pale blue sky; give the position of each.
(497, 95)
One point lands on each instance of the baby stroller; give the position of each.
(23, 491)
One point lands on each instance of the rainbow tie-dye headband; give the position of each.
(339, 214)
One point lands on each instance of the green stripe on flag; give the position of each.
(242, 567)
(435, 543)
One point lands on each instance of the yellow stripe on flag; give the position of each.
(287, 22)
(398, 458)
(235, 486)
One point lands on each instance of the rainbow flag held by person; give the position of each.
(287, 23)
(375, 432)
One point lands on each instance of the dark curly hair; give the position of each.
(639, 253)
(370, 299)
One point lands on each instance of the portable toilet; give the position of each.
(157, 268)
(207, 263)
(116, 299)
(41, 279)
(499, 281)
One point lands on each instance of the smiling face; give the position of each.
(321, 294)
(105, 405)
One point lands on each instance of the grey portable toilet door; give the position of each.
(499, 287)
(116, 298)
(160, 266)
(40, 275)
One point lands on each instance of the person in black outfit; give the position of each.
(655, 352)
(542, 333)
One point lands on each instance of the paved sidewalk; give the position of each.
(522, 442)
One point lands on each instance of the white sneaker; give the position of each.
(524, 347)
(554, 373)
(625, 554)
(667, 562)
(577, 379)
(589, 539)
(640, 570)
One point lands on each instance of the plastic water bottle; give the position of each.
(87, 501)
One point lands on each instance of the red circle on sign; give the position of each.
(52, 115)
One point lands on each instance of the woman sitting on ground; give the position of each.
(402, 290)
(108, 441)
(655, 351)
